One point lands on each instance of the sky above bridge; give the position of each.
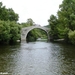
(38, 10)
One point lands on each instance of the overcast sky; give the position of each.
(38, 10)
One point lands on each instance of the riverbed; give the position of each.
(37, 58)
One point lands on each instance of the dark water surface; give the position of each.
(37, 58)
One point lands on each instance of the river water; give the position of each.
(37, 58)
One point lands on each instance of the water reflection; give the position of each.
(38, 58)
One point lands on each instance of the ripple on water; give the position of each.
(38, 58)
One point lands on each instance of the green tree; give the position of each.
(30, 22)
(24, 25)
(10, 32)
(4, 32)
(66, 16)
(53, 22)
(71, 35)
(7, 14)
(12, 16)
(3, 12)
(15, 32)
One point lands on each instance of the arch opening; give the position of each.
(37, 34)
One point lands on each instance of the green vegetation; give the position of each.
(28, 23)
(53, 27)
(7, 14)
(9, 32)
(9, 28)
(62, 26)
(71, 35)
(35, 34)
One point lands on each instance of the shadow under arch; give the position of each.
(37, 34)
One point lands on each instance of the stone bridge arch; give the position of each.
(26, 30)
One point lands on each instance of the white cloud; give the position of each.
(38, 10)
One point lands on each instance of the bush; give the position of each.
(71, 36)
(14, 32)
(4, 32)
(9, 32)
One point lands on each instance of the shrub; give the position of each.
(4, 32)
(71, 36)
(9, 32)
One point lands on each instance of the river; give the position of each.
(37, 58)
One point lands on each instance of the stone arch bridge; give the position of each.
(26, 30)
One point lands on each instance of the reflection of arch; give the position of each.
(26, 30)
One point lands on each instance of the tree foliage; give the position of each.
(65, 19)
(9, 32)
(15, 32)
(4, 32)
(36, 33)
(71, 35)
(66, 16)
(7, 14)
(53, 27)
(9, 28)
(29, 22)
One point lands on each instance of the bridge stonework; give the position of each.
(26, 30)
